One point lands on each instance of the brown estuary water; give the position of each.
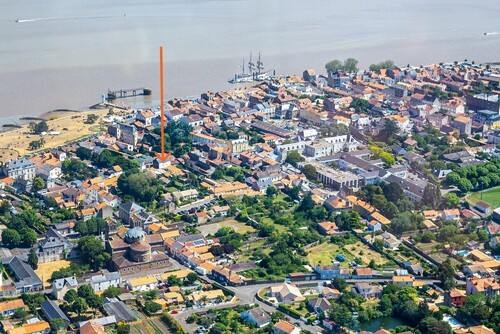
(65, 54)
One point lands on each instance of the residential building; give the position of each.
(487, 286)
(328, 228)
(462, 124)
(319, 305)
(211, 297)
(328, 272)
(454, 297)
(51, 311)
(63, 285)
(284, 327)
(92, 327)
(119, 310)
(367, 290)
(104, 281)
(256, 316)
(286, 293)
(142, 283)
(26, 279)
(21, 168)
(405, 280)
(7, 308)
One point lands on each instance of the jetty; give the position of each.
(121, 93)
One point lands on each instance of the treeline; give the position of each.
(476, 177)
(107, 159)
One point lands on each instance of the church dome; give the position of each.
(135, 234)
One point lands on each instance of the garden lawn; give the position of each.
(237, 226)
(368, 253)
(492, 197)
(326, 253)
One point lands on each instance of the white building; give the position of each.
(102, 282)
(20, 168)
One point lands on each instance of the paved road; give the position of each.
(245, 295)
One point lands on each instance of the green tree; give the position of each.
(307, 204)
(447, 274)
(79, 306)
(271, 191)
(334, 66)
(310, 172)
(38, 183)
(174, 280)
(432, 325)
(91, 118)
(464, 185)
(11, 238)
(451, 200)
(70, 296)
(389, 130)
(151, 307)
(33, 259)
(57, 325)
(41, 127)
(83, 153)
(340, 314)
(28, 237)
(431, 196)
(95, 302)
(92, 252)
(293, 157)
(476, 307)
(339, 283)
(85, 291)
(4, 207)
(112, 292)
(360, 105)
(351, 65)
(123, 328)
(21, 314)
(192, 277)
(388, 159)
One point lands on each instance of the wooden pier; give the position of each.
(118, 94)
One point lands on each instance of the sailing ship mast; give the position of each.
(260, 65)
(251, 65)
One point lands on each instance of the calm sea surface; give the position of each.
(65, 54)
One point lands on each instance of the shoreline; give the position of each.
(64, 127)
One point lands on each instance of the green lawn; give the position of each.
(492, 197)
(326, 253)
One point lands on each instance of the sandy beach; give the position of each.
(70, 126)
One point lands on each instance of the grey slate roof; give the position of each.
(117, 308)
(52, 311)
(69, 281)
(19, 164)
(106, 277)
(259, 316)
(23, 272)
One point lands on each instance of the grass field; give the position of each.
(327, 252)
(492, 197)
(45, 270)
(237, 226)
(366, 254)
(324, 254)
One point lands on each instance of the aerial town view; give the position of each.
(250, 167)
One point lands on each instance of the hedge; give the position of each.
(289, 311)
(172, 324)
